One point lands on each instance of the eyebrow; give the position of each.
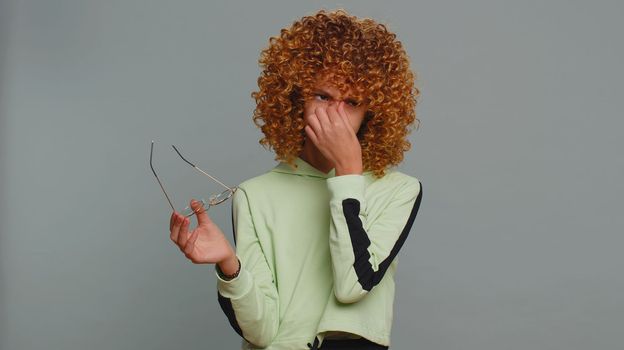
(350, 99)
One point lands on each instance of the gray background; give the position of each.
(518, 241)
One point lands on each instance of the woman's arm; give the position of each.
(360, 257)
(250, 300)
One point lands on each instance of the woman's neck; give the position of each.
(314, 157)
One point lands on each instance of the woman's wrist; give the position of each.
(229, 265)
(349, 167)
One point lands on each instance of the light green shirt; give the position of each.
(318, 254)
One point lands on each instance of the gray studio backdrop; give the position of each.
(518, 241)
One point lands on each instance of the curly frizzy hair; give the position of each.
(363, 56)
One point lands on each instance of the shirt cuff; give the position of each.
(236, 287)
(347, 186)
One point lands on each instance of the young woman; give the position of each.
(317, 236)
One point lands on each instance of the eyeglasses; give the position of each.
(214, 199)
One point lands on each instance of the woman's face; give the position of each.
(325, 94)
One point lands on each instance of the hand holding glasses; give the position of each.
(214, 199)
(206, 244)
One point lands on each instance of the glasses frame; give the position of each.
(213, 200)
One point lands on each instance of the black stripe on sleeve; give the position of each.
(226, 306)
(233, 230)
(367, 277)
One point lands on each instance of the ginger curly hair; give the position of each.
(362, 55)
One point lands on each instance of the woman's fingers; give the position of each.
(340, 120)
(323, 119)
(314, 123)
(183, 235)
(333, 123)
(180, 235)
(200, 212)
(345, 117)
(175, 228)
(310, 132)
(342, 114)
(332, 115)
(190, 244)
(171, 220)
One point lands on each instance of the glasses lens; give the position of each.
(188, 211)
(221, 197)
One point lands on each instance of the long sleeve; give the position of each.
(363, 247)
(250, 301)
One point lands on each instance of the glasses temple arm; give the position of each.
(203, 172)
(157, 179)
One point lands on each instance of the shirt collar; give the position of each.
(303, 168)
